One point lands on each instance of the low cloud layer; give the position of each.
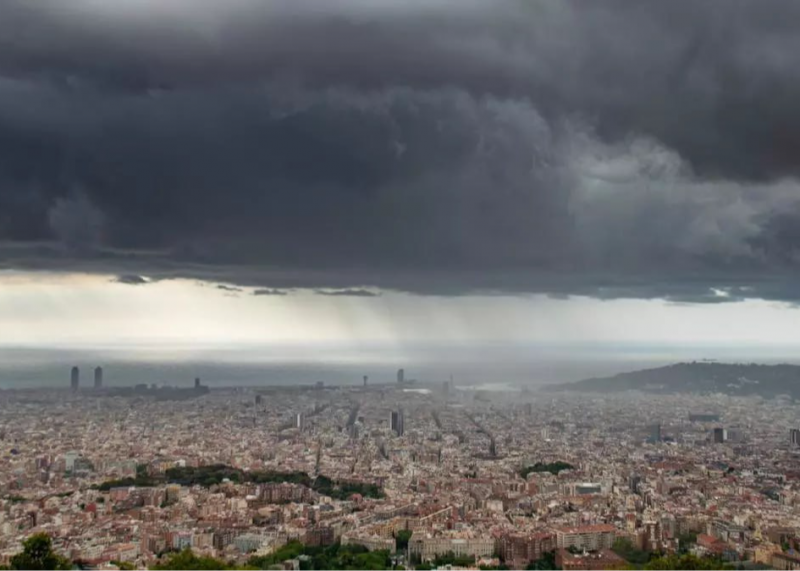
(131, 280)
(348, 292)
(443, 148)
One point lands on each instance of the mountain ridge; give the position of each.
(698, 377)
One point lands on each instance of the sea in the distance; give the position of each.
(477, 367)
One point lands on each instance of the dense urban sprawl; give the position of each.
(402, 475)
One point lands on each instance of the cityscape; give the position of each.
(420, 475)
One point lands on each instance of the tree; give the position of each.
(686, 562)
(685, 541)
(186, 559)
(625, 549)
(402, 538)
(547, 562)
(37, 553)
(554, 468)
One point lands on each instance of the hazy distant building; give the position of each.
(703, 417)
(75, 378)
(69, 460)
(735, 435)
(586, 488)
(259, 399)
(720, 435)
(401, 376)
(98, 378)
(397, 422)
(300, 421)
(197, 382)
(794, 436)
(446, 389)
(634, 482)
(655, 433)
(588, 537)
(366, 378)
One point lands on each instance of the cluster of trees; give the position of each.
(546, 563)
(334, 556)
(186, 559)
(37, 553)
(205, 476)
(686, 561)
(630, 553)
(343, 490)
(454, 560)
(213, 475)
(686, 541)
(291, 550)
(639, 559)
(141, 480)
(553, 468)
(401, 539)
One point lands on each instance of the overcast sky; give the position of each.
(399, 172)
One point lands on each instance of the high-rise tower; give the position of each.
(397, 422)
(75, 378)
(98, 378)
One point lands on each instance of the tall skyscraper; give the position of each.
(397, 422)
(794, 436)
(655, 433)
(720, 435)
(197, 382)
(75, 378)
(98, 378)
(401, 376)
(366, 378)
(300, 421)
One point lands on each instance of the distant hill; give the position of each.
(733, 379)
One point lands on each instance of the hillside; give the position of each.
(734, 379)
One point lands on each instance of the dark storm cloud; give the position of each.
(260, 292)
(432, 147)
(348, 293)
(131, 279)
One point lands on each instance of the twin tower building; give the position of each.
(75, 378)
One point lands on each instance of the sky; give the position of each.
(393, 174)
